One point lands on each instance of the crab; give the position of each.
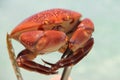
(53, 30)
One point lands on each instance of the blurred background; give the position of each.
(102, 63)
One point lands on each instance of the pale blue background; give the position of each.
(103, 62)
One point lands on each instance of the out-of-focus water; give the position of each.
(102, 63)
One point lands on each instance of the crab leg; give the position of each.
(24, 60)
(73, 59)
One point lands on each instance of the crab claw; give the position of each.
(67, 53)
(72, 59)
(24, 60)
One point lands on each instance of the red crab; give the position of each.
(49, 31)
